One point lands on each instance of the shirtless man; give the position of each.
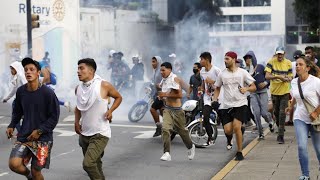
(173, 115)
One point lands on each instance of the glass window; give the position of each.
(257, 18)
(257, 27)
(231, 3)
(228, 27)
(310, 37)
(232, 18)
(256, 2)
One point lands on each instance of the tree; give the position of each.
(208, 10)
(308, 11)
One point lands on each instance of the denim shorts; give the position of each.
(38, 152)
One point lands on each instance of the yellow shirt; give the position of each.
(275, 67)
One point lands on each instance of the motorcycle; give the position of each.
(195, 124)
(139, 109)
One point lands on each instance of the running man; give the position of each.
(93, 117)
(40, 107)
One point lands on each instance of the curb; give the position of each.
(227, 168)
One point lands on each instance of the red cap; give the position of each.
(231, 54)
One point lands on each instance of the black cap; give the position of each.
(297, 54)
(28, 60)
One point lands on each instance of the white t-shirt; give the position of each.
(230, 81)
(311, 92)
(213, 74)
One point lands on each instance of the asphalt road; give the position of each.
(131, 153)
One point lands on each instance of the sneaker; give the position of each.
(280, 139)
(229, 146)
(210, 142)
(261, 137)
(166, 157)
(68, 106)
(239, 156)
(304, 178)
(271, 127)
(191, 152)
(158, 132)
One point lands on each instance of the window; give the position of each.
(257, 18)
(292, 35)
(256, 3)
(228, 27)
(230, 23)
(257, 27)
(231, 18)
(257, 22)
(231, 3)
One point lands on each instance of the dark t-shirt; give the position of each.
(40, 110)
(195, 82)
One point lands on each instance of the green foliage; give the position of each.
(208, 10)
(308, 10)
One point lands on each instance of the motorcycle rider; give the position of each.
(157, 103)
(209, 74)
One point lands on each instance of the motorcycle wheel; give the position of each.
(137, 112)
(198, 138)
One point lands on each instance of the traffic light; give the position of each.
(35, 21)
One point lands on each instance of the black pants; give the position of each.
(206, 116)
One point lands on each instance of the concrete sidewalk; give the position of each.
(269, 160)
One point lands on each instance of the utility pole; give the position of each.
(29, 28)
(32, 22)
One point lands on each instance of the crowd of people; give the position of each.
(239, 93)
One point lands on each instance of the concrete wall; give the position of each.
(58, 34)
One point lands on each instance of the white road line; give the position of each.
(64, 132)
(69, 119)
(62, 154)
(114, 125)
(1, 117)
(3, 174)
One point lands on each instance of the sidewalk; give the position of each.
(270, 160)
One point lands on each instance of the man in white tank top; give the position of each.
(92, 116)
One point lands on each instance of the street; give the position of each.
(131, 153)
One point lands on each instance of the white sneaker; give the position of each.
(191, 152)
(67, 105)
(166, 157)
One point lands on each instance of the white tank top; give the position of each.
(92, 120)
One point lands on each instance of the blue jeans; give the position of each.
(259, 105)
(302, 130)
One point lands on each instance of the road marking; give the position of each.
(64, 132)
(62, 154)
(69, 119)
(3, 174)
(1, 117)
(144, 134)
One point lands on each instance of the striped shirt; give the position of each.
(275, 67)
